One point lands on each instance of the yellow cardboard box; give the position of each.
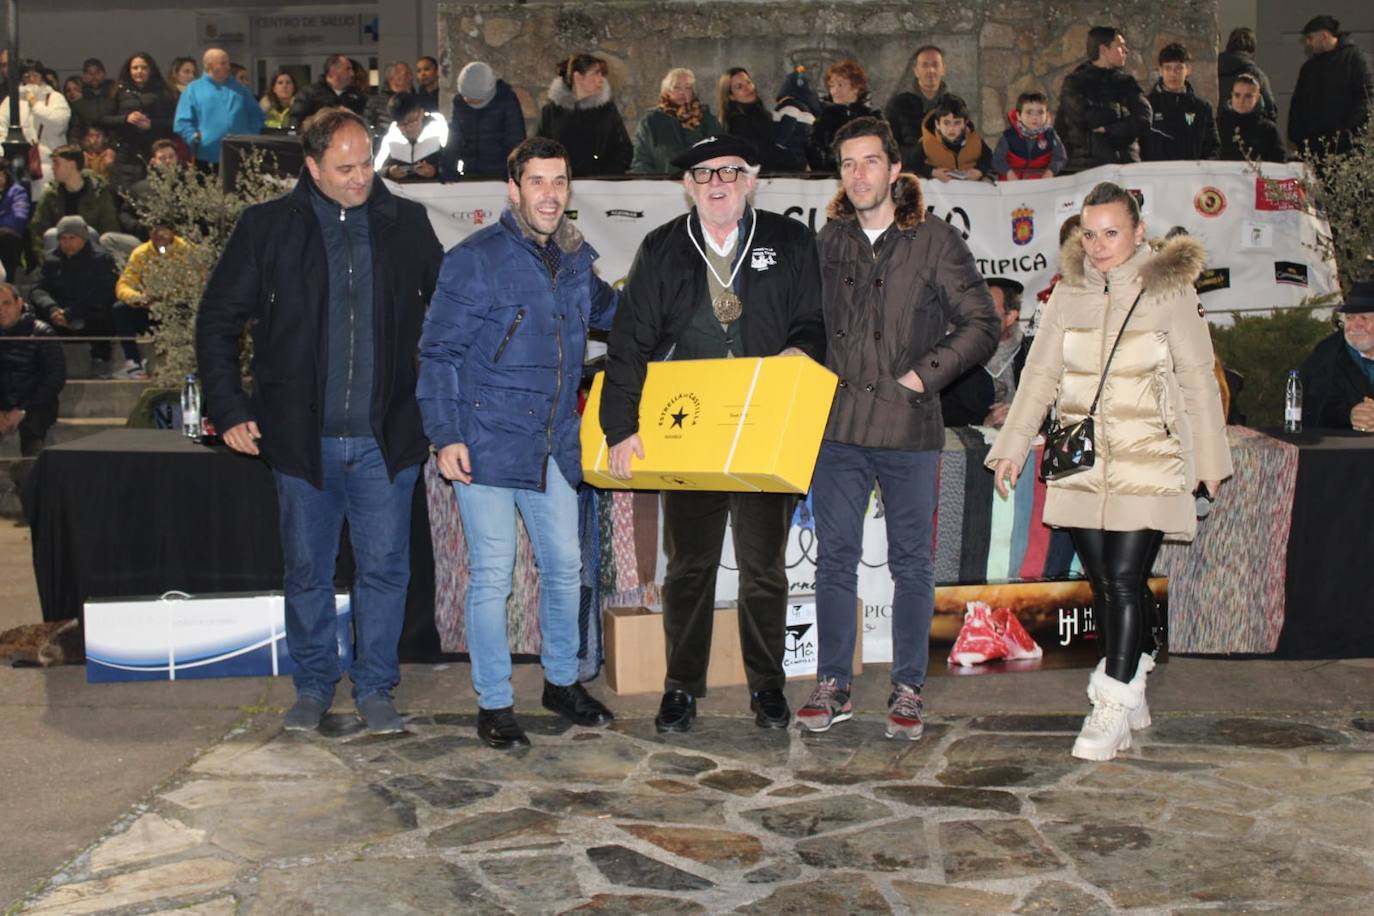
(741, 425)
(634, 647)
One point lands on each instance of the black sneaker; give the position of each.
(575, 704)
(676, 712)
(771, 709)
(499, 729)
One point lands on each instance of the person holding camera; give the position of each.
(1123, 345)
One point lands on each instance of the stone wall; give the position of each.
(995, 49)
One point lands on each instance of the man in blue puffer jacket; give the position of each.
(500, 361)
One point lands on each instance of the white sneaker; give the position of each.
(133, 369)
(1107, 730)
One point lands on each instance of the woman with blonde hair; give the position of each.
(679, 121)
(1123, 341)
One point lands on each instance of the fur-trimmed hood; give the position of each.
(906, 193)
(1162, 264)
(563, 97)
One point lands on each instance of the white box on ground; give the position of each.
(179, 636)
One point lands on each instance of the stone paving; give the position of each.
(990, 814)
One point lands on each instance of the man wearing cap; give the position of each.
(723, 280)
(486, 125)
(1338, 376)
(1331, 100)
(982, 395)
(76, 292)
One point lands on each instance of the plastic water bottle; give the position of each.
(1292, 403)
(190, 408)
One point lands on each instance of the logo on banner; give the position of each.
(681, 412)
(476, 217)
(625, 214)
(762, 258)
(1210, 201)
(801, 647)
(1290, 273)
(1213, 279)
(1022, 225)
(794, 640)
(570, 214)
(1279, 194)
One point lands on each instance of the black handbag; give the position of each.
(1071, 449)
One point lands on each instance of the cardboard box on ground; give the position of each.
(634, 644)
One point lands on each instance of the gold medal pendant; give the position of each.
(727, 307)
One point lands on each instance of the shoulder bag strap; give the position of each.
(1103, 381)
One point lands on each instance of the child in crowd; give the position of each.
(950, 149)
(1029, 148)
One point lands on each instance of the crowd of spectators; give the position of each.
(95, 138)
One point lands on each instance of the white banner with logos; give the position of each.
(1263, 246)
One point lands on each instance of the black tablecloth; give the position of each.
(136, 512)
(1329, 604)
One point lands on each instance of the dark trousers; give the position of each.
(840, 491)
(1118, 566)
(693, 532)
(12, 246)
(130, 321)
(33, 429)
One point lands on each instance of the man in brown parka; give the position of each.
(892, 283)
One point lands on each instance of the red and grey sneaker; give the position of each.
(978, 640)
(1016, 642)
(904, 712)
(827, 705)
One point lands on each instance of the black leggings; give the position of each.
(1118, 565)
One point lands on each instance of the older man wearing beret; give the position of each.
(1338, 376)
(723, 280)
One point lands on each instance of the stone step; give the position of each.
(83, 398)
(64, 430)
(78, 353)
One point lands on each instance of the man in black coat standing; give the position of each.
(1331, 100)
(690, 296)
(1103, 113)
(33, 372)
(332, 89)
(333, 279)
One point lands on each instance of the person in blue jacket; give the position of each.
(213, 106)
(500, 361)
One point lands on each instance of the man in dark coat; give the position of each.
(486, 125)
(688, 297)
(332, 89)
(32, 373)
(894, 282)
(1103, 113)
(75, 292)
(907, 111)
(500, 361)
(1338, 376)
(1245, 132)
(1331, 100)
(333, 279)
(1183, 127)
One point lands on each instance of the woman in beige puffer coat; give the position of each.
(1159, 432)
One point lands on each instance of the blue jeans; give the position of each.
(489, 527)
(839, 497)
(356, 487)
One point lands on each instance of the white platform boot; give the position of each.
(1107, 730)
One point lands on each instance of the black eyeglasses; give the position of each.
(726, 173)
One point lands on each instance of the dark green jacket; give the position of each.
(96, 205)
(661, 137)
